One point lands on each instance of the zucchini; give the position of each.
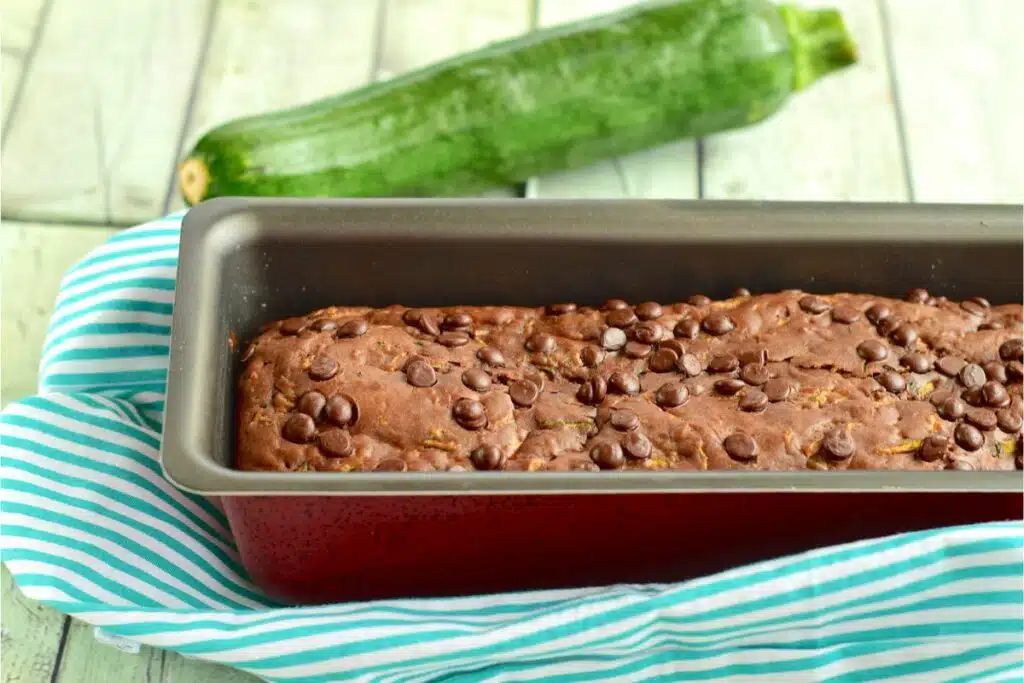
(555, 99)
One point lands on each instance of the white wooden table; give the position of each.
(101, 98)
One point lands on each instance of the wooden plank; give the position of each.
(30, 636)
(86, 660)
(669, 171)
(270, 54)
(957, 68)
(455, 26)
(837, 140)
(19, 24)
(99, 119)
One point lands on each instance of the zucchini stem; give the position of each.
(193, 180)
(821, 43)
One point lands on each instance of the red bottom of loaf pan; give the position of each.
(317, 549)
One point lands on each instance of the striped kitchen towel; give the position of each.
(91, 528)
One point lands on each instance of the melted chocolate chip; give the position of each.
(778, 389)
(593, 391)
(293, 326)
(591, 356)
(623, 383)
(623, 317)
(476, 379)
(916, 362)
(755, 375)
(560, 309)
(323, 368)
(892, 381)
(341, 411)
(637, 350)
(648, 332)
(872, 350)
(540, 343)
(299, 428)
(689, 365)
(950, 366)
(1009, 420)
(723, 363)
(1012, 349)
(990, 325)
(995, 371)
(487, 457)
(933, 448)
(614, 305)
(972, 376)
(973, 397)
(814, 305)
(995, 394)
(1014, 371)
(336, 443)
(523, 393)
(974, 308)
(457, 321)
(917, 295)
(453, 339)
(983, 419)
(324, 325)
(613, 339)
(904, 335)
(469, 413)
(698, 300)
(425, 322)
(663, 360)
(838, 444)
(671, 395)
(753, 401)
(649, 310)
(419, 373)
(981, 301)
(637, 446)
(718, 324)
(740, 292)
(687, 328)
(608, 455)
(968, 437)
(312, 403)
(756, 356)
(740, 447)
(352, 328)
(729, 387)
(845, 315)
(489, 355)
(624, 420)
(876, 313)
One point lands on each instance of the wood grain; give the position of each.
(98, 122)
(669, 171)
(959, 73)
(265, 55)
(837, 140)
(19, 20)
(30, 636)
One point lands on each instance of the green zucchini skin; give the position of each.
(555, 99)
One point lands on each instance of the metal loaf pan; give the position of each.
(245, 262)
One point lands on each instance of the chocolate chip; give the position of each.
(671, 395)
(322, 368)
(1014, 371)
(960, 464)
(729, 387)
(972, 376)
(950, 365)
(723, 363)
(336, 443)
(933, 448)
(952, 409)
(838, 444)
(663, 360)
(740, 447)
(940, 396)
(391, 465)
(453, 339)
(299, 428)
(916, 362)
(981, 301)
(591, 356)
(886, 327)
(607, 455)
(624, 420)
(756, 375)
(419, 373)
(814, 304)
(648, 332)
(311, 403)
(293, 326)
(613, 339)
(974, 308)
(614, 305)
(968, 437)
(476, 379)
(872, 350)
(673, 344)
(917, 295)
(540, 343)
(1009, 420)
(249, 352)
(535, 377)
(487, 457)
(352, 328)
(324, 325)
(973, 397)
(469, 413)
(991, 325)
(489, 355)
(649, 310)
(995, 394)
(877, 313)
(523, 393)
(983, 419)
(623, 317)
(740, 292)
(560, 309)
(757, 356)
(687, 328)
(689, 365)
(892, 381)
(753, 401)
(637, 350)
(421, 320)
(341, 411)
(623, 383)
(457, 321)
(845, 315)
(593, 391)
(698, 300)
(718, 324)
(636, 445)
(1012, 349)
(778, 389)
(904, 335)
(995, 371)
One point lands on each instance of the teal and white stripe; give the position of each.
(91, 528)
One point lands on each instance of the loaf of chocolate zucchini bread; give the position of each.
(783, 381)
